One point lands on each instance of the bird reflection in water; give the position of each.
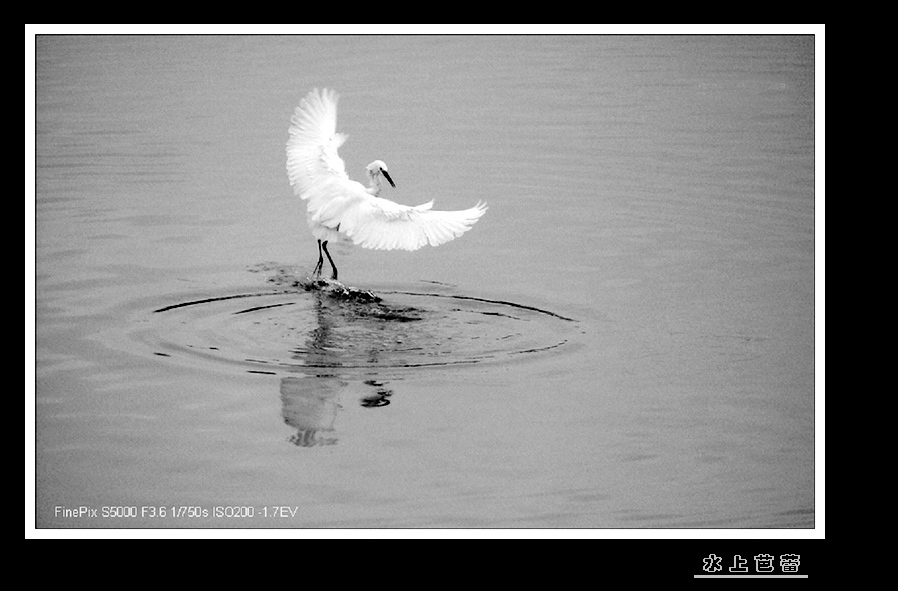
(340, 358)
(310, 407)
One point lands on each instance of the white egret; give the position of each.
(339, 206)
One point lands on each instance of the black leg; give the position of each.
(320, 261)
(333, 266)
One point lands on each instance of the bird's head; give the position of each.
(375, 169)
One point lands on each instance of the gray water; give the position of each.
(624, 340)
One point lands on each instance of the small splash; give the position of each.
(335, 289)
(359, 302)
(283, 277)
(355, 303)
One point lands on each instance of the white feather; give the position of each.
(338, 206)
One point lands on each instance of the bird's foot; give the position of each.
(321, 283)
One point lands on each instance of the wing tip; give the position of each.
(323, 95)
(478, 210)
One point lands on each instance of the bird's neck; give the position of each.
(374, 184)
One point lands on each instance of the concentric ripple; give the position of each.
(304, 325)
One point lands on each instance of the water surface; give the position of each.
(625, 339)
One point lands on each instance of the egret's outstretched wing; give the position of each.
(371, 222)
(312, 148)
(337, 204)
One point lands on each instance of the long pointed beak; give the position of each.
(387, 175)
